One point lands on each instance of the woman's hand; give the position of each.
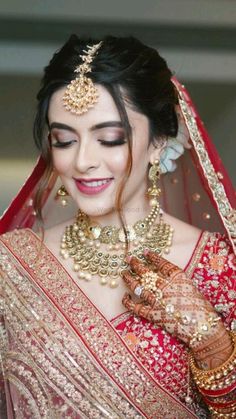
(167, 297)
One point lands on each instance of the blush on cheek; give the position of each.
(117, 162)
(61, 163)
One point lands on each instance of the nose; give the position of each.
(86, 157)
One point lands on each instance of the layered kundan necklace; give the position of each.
(82, 241)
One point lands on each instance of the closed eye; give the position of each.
(62, 144)
(117, 142)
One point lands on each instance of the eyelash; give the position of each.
(59, 144)
(119, 141)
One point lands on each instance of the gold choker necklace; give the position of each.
(82, 240)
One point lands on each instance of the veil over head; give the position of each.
(198, 192)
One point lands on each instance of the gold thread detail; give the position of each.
(227, 213)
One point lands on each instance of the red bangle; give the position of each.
(219, 392)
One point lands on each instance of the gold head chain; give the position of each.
(81, 94)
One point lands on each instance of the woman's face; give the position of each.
(90, 154)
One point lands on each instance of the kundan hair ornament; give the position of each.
(81, 94)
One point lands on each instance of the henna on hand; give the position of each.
(170, 299)
(215, 351)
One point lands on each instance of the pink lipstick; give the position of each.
(92, 186)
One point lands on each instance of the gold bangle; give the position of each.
(206, 377)
(219, 413)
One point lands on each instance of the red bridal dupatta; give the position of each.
(60, 358)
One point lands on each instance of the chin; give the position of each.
(94, 210)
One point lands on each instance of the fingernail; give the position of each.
(145, 252)
(128, 258)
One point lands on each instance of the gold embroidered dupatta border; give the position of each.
(225, 210)
(99, 337)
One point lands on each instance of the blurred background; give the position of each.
(197, 37)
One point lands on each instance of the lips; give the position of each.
(92, 186)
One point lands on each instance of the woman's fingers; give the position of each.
(166, 268)
(139, 290)
(131, 305)
(137, 266)
(149, 279)
(131, 281)
(140, 308)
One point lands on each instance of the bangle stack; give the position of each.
(217, 383)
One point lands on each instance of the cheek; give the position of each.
(117, 160)
(61, 161)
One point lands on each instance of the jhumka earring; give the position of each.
(62, 194)
(154, 191)
(164, 230)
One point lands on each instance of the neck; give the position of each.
(130, 214)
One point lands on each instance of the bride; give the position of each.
(120, 302)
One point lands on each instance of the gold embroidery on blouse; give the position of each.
(197, 254)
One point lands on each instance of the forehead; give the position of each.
(104, 109)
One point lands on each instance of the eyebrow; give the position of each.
(107, 124)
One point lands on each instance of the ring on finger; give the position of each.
(138, 290)
(149, 281)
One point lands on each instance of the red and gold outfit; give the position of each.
(60, 358)
(44, 334)
(212, 268)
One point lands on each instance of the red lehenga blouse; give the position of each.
(62, 359)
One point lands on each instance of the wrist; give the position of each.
(218, 384)
(214, 351)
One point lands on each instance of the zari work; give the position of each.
(60, 353)
(69, 361)
(227, 213)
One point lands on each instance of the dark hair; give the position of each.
(133, 74)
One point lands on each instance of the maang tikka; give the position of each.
(81, 94)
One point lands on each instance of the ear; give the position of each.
(156, 149)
